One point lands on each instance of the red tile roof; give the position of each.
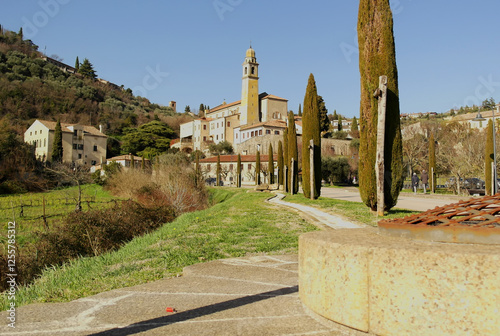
(220, 107)
(234, 158)
(271, 123)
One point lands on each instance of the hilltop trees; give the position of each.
(148, 140)
(87, 69)
(377, 57)
(311, 131)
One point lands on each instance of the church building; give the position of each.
(256, 114)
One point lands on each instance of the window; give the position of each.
(217, 137)
(44, 142)
(260, 132)
(243, 135)
(241, 166)
(253, 70)
(252, 134)
(249, 166)
(228, 124)
(204, 127)
(246, 70)
(231, 167)
(268, 131)
(35, 132)
(204, 138)
(236, 135)
(74, 146)
(95, 148)
(80, 146)
(208, 167)
(93, 162)
(31, 133)
(277, 132)
(75, 133)
(79, 156)
(40, 131)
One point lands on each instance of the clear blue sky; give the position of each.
(448, 52)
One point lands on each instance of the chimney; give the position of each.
(101, 129)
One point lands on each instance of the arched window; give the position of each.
(246, 70)
(253, 70)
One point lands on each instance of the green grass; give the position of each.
(240, 224)
(353, 211)
(58, 203)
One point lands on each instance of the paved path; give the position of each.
(418, 202)
(332, 221)
(255, 295)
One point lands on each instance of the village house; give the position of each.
(83, 145)
(208, 167)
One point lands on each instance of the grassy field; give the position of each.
(352, 211)
(27, 209)
(240, 223)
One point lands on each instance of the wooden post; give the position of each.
(381, 94)
(493, 179)
(433, 187)
(285, 178)
(311, 165)
(292, 177)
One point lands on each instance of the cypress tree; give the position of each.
(280, 163)
(238, 172)
(488, 158)
(377, 57)
(270, 164)
(257, 169)
(323, 112)
(286, 160)
(57, 146)
(432, 162)
(293, 154)
(300, 110)
(218, 170)
(77, 64)
(311, 131)
(354, 125)
(339, 123)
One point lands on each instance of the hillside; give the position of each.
(32, 88)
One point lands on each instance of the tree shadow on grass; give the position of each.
(194, 313)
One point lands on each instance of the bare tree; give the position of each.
(71, 174)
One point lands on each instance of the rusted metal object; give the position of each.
(473, 221)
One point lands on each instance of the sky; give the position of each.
(191, 52)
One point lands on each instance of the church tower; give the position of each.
(249, 108)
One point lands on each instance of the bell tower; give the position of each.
(249, 108)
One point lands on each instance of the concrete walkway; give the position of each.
(255, 295)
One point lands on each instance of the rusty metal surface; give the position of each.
(476, 220)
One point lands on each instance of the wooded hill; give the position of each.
(32, 88)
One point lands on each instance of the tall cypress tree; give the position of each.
(257, 169)
(488, 158)
(57, 146)
(432, 162)
(218, 170)
(377, 57)
(293, 154)
(300, 111)
(311, 131)
(238, 171)
(339, 123)
(323, 112)
(77, 64)
(286, 160)
(280, 163)
(354, 125)
(270, 164)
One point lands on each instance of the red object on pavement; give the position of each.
(170, 310)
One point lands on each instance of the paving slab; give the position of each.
(255, 295)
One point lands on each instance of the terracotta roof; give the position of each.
(51, 125)
(220, 107)
(126, 158)
(234, 158)
(269, 96)
(271, 123)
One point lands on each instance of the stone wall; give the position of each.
(395, 286)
